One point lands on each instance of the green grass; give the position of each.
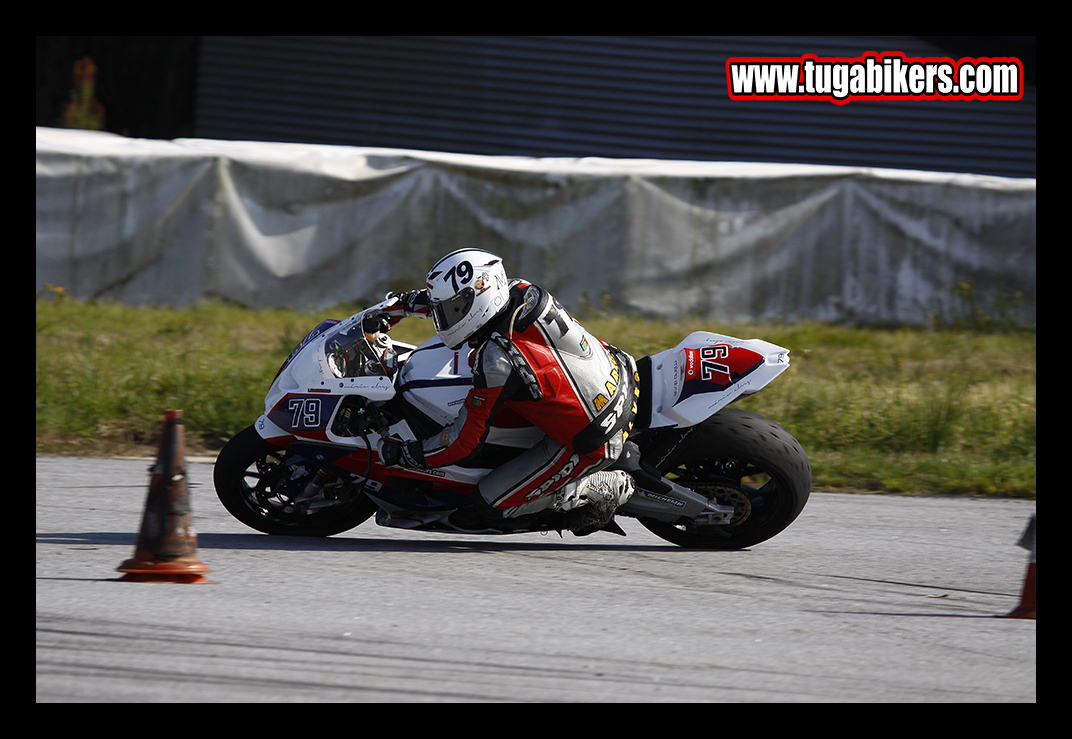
(911, 411)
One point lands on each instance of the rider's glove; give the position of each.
(399, 306)
(390, 451)
(414, 302)
(376, 323)
(395, 453)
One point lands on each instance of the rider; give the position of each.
(533, 364)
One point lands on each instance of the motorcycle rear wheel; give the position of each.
(742, 459)
(250, 480)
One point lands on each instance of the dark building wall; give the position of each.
(633, 97)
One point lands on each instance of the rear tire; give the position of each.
(250, 477)
(742, 459)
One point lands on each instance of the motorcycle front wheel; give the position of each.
(745, 460)
(250, 477)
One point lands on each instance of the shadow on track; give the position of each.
(264, 542)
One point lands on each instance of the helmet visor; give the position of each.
(447, 313)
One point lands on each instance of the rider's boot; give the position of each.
(589, 503)
(583, 506)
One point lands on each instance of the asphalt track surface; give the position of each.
(866, 598)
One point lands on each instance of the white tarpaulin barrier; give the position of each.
(269, 224)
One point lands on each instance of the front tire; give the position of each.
(742, 459)
(250, 477)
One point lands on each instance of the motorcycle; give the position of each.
(707, 475)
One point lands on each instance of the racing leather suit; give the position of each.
(537, 366)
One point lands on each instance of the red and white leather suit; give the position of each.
(538, 367)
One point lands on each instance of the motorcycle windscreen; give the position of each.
(354, 353)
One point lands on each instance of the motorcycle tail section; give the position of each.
(704, 373)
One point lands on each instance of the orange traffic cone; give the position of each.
(167, 546)
(1026, 609)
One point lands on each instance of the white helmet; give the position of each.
(466, 290)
